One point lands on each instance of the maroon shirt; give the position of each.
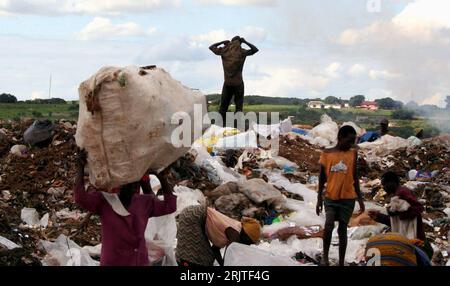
(123, 241)
(415, 211)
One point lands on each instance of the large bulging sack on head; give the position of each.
(125, 122)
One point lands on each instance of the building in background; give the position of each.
(369, 105)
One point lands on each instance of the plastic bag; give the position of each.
(327, 130)
(242, 255)
(163, 230)
(4, 242)
(218, 173)
(187, 197)
(65, 252)
(40, 131)
(259, 191)
(19, 150)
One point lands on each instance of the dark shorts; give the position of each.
(341, 210)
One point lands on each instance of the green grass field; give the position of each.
(50, 111)
(367, 119)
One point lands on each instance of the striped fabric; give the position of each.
(395, 250)
(192, 243)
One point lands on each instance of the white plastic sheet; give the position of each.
(218, 173)
(304, 214)
(65, 252)
(187, 197)
(162, 231)
(382, 147)
(8, 243)
(243, 255)
(276, 178)
(239, 141)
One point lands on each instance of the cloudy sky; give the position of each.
(308, 48)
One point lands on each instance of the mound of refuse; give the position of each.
(41, 225)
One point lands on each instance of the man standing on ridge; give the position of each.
(233, 59)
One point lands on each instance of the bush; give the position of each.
(36, 114)
(403, 114)
(7, 98)
(74, 107)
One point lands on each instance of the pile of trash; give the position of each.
(225, 169)
(36, 181)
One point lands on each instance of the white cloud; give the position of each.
(357, 70)
(422, 21)
(103, 28)
(424, 14)
(96, 7)
(250, 33)
(176, 49)
(333, 70)
(282, 82)
(382, 74)
(240, 2)
(410, 49)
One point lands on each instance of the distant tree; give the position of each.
(7, 98)
(398, 104)
(332, 100)
(389, 103)
(403, 114)
(412, 105)
(447, 100)
(357, 100)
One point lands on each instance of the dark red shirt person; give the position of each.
(123, 241)
(391, 184)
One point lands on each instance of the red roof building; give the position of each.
(369, 105)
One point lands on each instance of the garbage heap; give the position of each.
(227, 170)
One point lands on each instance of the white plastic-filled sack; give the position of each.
(244, 255)
(125, 122)
(259, 191)
(327, 130)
